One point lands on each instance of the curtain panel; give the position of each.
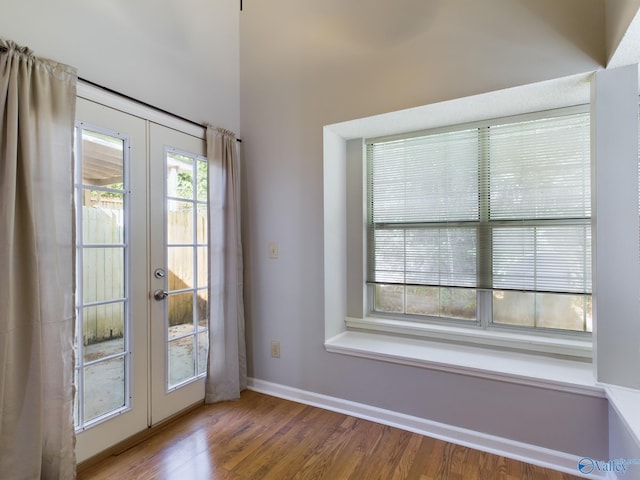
(227, 362)
(37, 111)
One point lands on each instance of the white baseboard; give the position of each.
(524, 452)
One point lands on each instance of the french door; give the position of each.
(142, 270)
(179, 261)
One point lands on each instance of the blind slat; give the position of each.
(529, 171)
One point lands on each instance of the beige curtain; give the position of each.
(37, 110)
(227, 366)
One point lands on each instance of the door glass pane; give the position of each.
(104, 389)
(203, 349)
(103, 274)
(187, 266)
(202, 180)
(180, 314)
(103, 331)
(179, 176)
(181, 270)
(202, 224)
(103, 217)
(102, 159)
(181, 360)
(180, 223)
(101, 279)
(203, 309)
(203, 270)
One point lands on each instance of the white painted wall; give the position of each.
(180, 56)
(308, 64)
(623, 444)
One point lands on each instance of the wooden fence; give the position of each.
(103, 271)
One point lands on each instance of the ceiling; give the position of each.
(337, 28)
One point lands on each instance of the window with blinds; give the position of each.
(488, 225)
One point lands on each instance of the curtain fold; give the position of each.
(37, 111)
(227, 362)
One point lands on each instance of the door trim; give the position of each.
(132, 107)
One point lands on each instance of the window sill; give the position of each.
(625, 401)
(561, 345)
(506, 366)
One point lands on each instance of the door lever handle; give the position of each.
(160, 294)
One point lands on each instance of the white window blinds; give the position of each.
(501, 206)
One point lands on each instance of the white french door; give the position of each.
(179, 260)
(141, 236)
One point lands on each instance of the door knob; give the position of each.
(160, 294)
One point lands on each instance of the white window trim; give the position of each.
(569, 344)
(434, 346)
(613, 95)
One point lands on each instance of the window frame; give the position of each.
(481, 331)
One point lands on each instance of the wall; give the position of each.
(622, 444)
(179, 56)
(616, 277)
(326, 64)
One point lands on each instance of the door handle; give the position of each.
(160, 294)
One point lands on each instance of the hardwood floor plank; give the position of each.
(308, 441)
(321, 459)
(260, 437)
(384, 460)
(236, 446)
(274, 447)
(422, 459)
(407, 459)
(350, 451)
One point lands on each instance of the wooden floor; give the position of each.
(263, 437)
